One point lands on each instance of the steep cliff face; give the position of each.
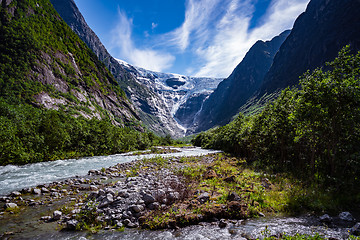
(152, 108)
(179, 98)
(244, 81)
(45, 64)
(316, 38)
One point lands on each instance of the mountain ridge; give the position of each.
(224, 103)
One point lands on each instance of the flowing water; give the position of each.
(251, 229)
(18, 177)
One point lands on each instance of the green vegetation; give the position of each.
(29, 134)
(312, 132)
(234, 190)
(36, 46)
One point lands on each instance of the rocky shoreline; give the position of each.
(150, 193)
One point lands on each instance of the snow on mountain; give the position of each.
(176, 91)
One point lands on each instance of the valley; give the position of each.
(103, 148)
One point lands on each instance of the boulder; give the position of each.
(37, 191)
(136, 208)
(346, 216)
(46, 218)
(325, 218)
(154, 206)
(15, 194)
(93, 188)
(222, 223)
(204, 197)
(11, 205)
(57, 215)
(148, 199)
(71, 224)
(45, 190)
(355, 230)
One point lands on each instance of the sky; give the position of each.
(200, 38)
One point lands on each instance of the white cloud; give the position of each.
(215, 32)
(154, 25)
(146, 58)
(233, 38)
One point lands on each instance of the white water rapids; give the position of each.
(17, 177)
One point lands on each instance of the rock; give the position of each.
(136, 208)
(102, 192)
(118, 224)
(129, 224)
(11, 205)
(153, 206)
(46, 218)
(106, 201)
(93, 188)
(148, 199)
(71, 224)
(204, 197)
(37, 191)
(57, 215)
(110, 191)
(346, 216)
(261, 214)
(355, 230)
(93, 195)
(123, 194)
(55, 194)
(160, 194)
(173, 196)
(45, 190)
(210, 174)
(222, 223)
(325, 218)
(15, 194)
(234, 197)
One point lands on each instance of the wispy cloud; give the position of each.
(154, 25)
(232, 38)
(143, 57)
(215, 33)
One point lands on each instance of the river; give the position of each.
(18, 177)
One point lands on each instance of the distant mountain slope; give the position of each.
(182, 96)
(45, 64)
(152, 109)
(244, 81)
(317, 36)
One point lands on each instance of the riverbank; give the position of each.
(154, 193)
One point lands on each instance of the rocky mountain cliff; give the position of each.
(244, 81)
(153, 111)
(45, 64)
(182, 96)
(316, 38)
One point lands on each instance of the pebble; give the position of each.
(37, 191)
(57, 215)
(11, 205)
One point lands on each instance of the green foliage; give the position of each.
(28, 135)
(312, 132)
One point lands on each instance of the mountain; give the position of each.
(317, 36)
(225, 102)
(182, 96)
(43, 63)
(151, 107)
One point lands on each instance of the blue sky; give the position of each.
(204, 38)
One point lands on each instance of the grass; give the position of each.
(259, 192)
